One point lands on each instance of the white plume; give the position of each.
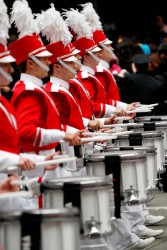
(53, 26)
(4, 23)
(23, 19)
(91, 16)
(77, 22)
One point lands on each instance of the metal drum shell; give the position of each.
(149, 138)
(148, 149)
(59, 228)
(131, 162)
(95, 198)
(161, 126)
(151, 160)
(10, 230)
(125, 156)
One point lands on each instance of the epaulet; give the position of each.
(99, 68)
(28, 85)
(55, 88)
(84, 74)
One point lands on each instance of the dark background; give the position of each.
(129, 18)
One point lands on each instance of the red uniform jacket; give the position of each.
(34, 110)
(107, 79)
(68, 108)
(94, 87)
(9, 140)
(88, 107)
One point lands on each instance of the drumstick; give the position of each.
(138, 111)
(95, 133)
(123, 118)
(60, 156)
(144, 108)
(119, 125)
(119, 129)
(98, 138)
(123, 132)
(119, 132)
(149, 105)
(55, 161)
(26, 194)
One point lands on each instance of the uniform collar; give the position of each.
(88, 69)
(60, 82)
(38, 82)
(104, 64)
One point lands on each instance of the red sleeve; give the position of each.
(87, 83)
(62, 106)
(30, 114)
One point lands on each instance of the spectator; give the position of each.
(140, 85)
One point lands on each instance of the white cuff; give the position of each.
(122, 105)
(71, 130)
(85, 122)
(50, 136)
(8, 159)
(110, 110)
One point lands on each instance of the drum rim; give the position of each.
(84, 181)
(55, 212)
(126, 156)
(144, 134)
(147, 117)
(148, 149)
(158, 124)
(10, 216)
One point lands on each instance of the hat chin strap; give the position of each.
(39, 63)
(106, 48)
(67, 67)
(5, 75)
(79, 63)
(95, 57)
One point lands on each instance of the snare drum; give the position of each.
(143, 138)
(133, 170)
(90, 194)
(41, 229)
(151, 161)
(59, 228)
(10, 230)
(154, 125)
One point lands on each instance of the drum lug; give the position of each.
(36, 189)
(133, 199)
(130, 193)
(80, 163)
(92, 226)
